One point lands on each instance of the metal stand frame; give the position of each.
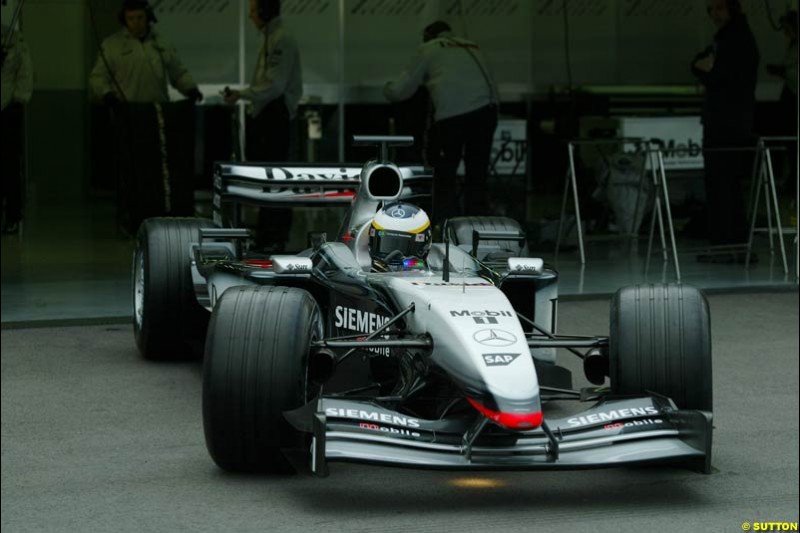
(766, 180)
(658, 176)
(571, 180)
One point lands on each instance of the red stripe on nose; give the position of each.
(509, 420)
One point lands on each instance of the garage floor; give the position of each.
(96, 439)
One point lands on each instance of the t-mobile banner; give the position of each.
(680, 138)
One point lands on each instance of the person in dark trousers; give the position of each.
(787, 71)
(273, 95)
(17, 80)
(464, 96)
(728, 70)
(153, 141)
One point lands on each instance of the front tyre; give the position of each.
(255, 368)
(660, 341)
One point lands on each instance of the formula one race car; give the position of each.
(446, 361)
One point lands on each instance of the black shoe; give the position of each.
(11, 229)
(727, 258)
(717, 259)
(741, 258)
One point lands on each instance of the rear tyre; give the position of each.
(255, 368)
(660, 341)
(167, 320)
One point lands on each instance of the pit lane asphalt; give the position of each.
(96, 439)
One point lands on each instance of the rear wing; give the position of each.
(288, 185)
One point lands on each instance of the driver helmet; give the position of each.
(399, 231)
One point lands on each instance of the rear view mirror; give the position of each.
(525, 265)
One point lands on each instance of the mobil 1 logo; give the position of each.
(482, 317)
(499, 359)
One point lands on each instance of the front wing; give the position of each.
(614, 432)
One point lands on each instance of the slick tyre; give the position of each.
(660, 341)
(255, 368)
(168, 323)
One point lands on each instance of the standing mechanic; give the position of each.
(465, 108)
(136, 62)
(152, 142)
(273, 95)
(17, 85)
(728, 70)
(787, 71)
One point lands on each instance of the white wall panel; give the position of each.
(611, 41)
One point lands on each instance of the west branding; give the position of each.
(327, 174)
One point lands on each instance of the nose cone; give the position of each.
(480, 345)
(511, 415)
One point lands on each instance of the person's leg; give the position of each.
(789, 102)
(12, 167)
(277, 135)
(477, 152)
(253, 140)
(268, 142)
(711, 221)
(715, 185)
(725, 171)
(450, 134)
(150, 177)
(127, 162)
(741, 165)
(179, 125)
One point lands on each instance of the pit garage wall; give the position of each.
(611, 42)
(617, 42)
(350, 48)
(58, 38)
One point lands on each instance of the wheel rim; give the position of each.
(138, 289)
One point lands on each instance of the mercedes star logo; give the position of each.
(494, 337)
(398, 213)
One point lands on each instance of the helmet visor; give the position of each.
(384, 242)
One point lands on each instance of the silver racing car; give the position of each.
(379, 346)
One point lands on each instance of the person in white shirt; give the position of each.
(136, 63)
(134, 68)
(273, 95)
(465, 104)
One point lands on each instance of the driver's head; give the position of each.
(399, 231)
